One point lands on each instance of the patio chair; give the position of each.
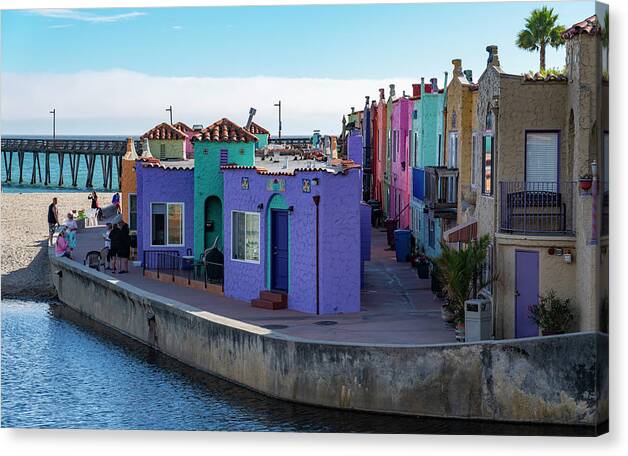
(93, 260)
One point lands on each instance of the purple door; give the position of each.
(279, 250)
(526, 291)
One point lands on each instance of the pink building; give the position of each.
(401, 120)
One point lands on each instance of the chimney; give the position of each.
(404, 94)
(457, 63)
(131, 154)
(422, 86)
(434, 83)
(493, 58)
(392, 91)
(382, 96)
(416, 90)
(146, 149)
(352, 109)
(366, 103)
(252, 112)
(469, 75)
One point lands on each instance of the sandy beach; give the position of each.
(24, 237)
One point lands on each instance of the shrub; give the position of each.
(552, 314)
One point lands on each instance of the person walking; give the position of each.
(95, 205)
(107, 239)
(115, 200)
(53, 219)
(124, 248)
(114, 240)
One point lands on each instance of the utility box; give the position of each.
(477, 320)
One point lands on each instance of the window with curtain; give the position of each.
(245, 236)
(167, 224)
(542, 160)
(487, 165)
(452, 158)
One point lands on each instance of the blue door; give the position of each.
(279, 250)
(526, 291)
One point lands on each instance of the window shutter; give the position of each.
(542, 157)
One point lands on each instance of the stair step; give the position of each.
(270, 305)
(274, 296)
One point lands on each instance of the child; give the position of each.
(71, 229)
(61, 247)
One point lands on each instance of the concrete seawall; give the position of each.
(559, 379)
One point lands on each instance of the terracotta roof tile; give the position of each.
(164, 131)
(258, 130)
(183, 127)
(589, 26)
(539, 78)
(225, 130)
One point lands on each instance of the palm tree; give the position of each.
(541, 30)
(460, 273)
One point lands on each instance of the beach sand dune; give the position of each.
(24, 237)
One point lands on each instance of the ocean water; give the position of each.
(73, 373)
(15, 187)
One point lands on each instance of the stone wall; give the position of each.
(558, 379)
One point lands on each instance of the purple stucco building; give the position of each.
(165, 203)
(270, 229)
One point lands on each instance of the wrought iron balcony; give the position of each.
(537, 208)
(441, 190)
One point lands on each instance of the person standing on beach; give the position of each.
(53, 219)
(71, 229)
(95, 206)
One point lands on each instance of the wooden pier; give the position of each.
(109, 153)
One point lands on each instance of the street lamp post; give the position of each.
(54, 122)
(279, 106)
(170, 110)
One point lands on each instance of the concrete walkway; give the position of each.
(397, 307)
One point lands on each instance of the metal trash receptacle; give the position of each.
(402, 244)
(477, 320)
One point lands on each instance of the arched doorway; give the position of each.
(278, 242)
(213, 223)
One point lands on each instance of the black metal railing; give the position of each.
(171, 264)
(537, 208)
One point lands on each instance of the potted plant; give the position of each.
(585, 181)
(552, 314)
(460, 275)
(422, 266)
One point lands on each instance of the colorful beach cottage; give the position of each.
(294, 232)
(379, 153)
(167, 142)
(427, 145)
(219, 144)
(399, 162)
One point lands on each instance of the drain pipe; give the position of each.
(317, 200)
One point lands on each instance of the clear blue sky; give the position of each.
(347, 42)
(112, 71)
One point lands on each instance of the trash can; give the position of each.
(402, 245)
(477, 320)
(390, 225)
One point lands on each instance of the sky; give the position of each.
(114, 71)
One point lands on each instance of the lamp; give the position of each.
(260, 206)
(315, 181)
(291, 209)
(594, 168)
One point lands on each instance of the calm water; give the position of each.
(72, 373)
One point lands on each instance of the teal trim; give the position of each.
(276, 201)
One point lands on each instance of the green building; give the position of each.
(221, 143)
(261, 134)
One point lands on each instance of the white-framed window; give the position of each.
(132, 211)
(245, 236)
(167, 224)
(452, 157)
(542, 160)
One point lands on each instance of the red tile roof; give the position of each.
(258, 130)
(164, 131)
(344, 164)
(589, 26)
(182, 127)
(225, 130)
(549, 77)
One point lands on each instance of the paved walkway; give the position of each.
(397, 307)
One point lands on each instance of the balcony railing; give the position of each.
(172, 265)
(441, 188)
(537, 208)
